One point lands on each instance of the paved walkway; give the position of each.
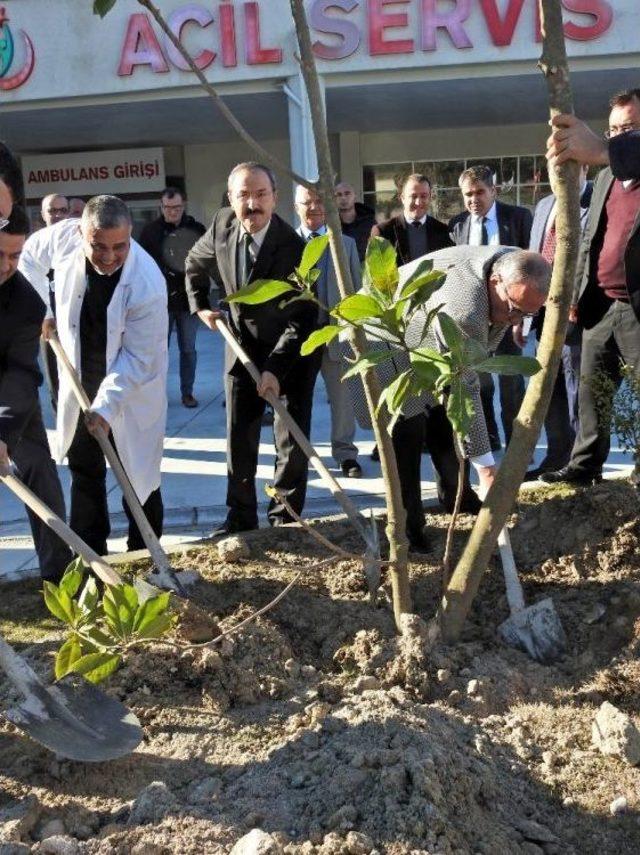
(194, 469)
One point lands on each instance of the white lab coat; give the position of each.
(132, 397)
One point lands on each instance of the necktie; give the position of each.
(313, 235)
(246, 259)
(548, 250)
(484, 234)
(416, 224)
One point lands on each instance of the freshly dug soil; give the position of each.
(319, 725)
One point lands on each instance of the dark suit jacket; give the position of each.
(592, 301)
(395, 231)
(168, 245)
(270, 333)
(514, 226)
(22, 312)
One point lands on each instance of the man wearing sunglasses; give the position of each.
(607, 291)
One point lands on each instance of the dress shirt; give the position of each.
(257, 239)
(493, 233)
(422, 220)
(306, 233)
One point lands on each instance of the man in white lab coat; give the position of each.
(111, 317)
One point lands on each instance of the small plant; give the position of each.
(102, 628)
(619, 411)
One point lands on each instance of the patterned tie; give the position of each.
(549, 243)
(484, 234)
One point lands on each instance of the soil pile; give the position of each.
(321, 727)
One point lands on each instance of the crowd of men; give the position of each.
(113, 303)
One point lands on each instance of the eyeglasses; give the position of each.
(515, 312)
(60, 211)
(4, 222)
(615, 130)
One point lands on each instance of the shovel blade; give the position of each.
(78, 721)
(537, 631)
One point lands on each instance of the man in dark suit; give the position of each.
(488, 222)
(22, 435)
(357, 218)
(561, 420)
(607, 297)
(414, 232)
(244, 243)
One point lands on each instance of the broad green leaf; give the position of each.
(452, 335)
(357, 307)
(428, 354)
(429, 320)
(58, 602)
(394, 395)
(102, 7)
(112, 613)
(319, 337)
(427, 373)
(460, 411)
(125, 599)
(369, 360)
(68, 654)
(390, 321)
(260, 291)
(525, 365)
(96, 638)
(381, 266)
(150, 609)
(312, 253)
(96, 667)
(474, 352)
(422, 283)
(156, 627)
(89, 597)
(72, 578)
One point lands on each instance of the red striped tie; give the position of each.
(548, 250)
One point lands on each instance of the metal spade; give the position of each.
(72, 717)
(534, 629)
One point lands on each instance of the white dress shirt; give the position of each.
(493, 233)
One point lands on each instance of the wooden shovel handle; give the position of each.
(100, 567)
(148, 534)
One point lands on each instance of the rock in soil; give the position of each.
(257, 842)
(614, 733)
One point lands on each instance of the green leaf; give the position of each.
(68, 654)
(453, 336)
(72, 578)
(460, 411)
(312, 253)
(97, 639)
(260, 291)
(156, 627)
(319, 337)
(474, 352)
(525, 365)
(96, 667)
(381, 266)
(369, 360)
(102, 7)
(125, 599)
(58, 602)
(357, 307)
(89, 597)
(422, 283)
(429, 320)
(150, 609)
(112, 612)
(395, 394)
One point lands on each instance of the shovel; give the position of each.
(72, 717)
(368, 531)
(196, 624)
(162, 574)
(534, 629)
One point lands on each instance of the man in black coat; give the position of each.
(22, 435)
(168, 239)
(488, 222)
(607, 296)
(357, 218)
(244, 243)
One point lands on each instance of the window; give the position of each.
(522, 181)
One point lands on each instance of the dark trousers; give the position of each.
(615, 338)
(439, 444)
(89, 515)
(50, 372)
(561, 421)
(511, 393)
(408, 440)
(36, 469)
(244, 420)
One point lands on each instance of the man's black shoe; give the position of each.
(567, 475)
(375, 454)
(189, 401)
(351, 469)
(419, 542)
(534, 474)
(231, 527)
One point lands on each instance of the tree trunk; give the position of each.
(468, 573)
(396, 516)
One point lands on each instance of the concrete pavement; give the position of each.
(194, 468)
